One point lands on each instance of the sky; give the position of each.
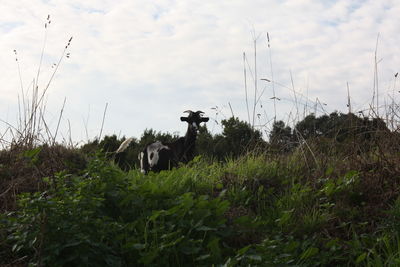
(138, 64)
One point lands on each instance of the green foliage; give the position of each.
(258, 209)
(335, 127)
(32, 155)
(109, 218)
(281, 137)
(240, 137)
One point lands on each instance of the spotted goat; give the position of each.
(160, 156)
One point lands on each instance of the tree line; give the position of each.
(238, 137)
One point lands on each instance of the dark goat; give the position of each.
(158, 156)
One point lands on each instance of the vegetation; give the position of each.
(328, 198)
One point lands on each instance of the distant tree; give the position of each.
(281, 137)
(91, 147)
(110, 143)
(240, 137)
(307, 127)
(340, 127)
(237, 138)
(150, 136)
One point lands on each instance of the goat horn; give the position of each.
(200, 112)
(188, 111)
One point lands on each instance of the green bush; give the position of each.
(109, 218)
(259, 209)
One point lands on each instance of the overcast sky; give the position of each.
(151, 60)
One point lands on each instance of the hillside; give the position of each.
(322, 203)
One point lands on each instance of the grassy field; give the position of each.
(262, 209)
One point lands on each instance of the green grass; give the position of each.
(255, 210)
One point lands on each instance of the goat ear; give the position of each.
(184, 119)
(205, 119)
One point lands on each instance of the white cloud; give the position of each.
(152, 60)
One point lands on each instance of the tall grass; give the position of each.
(31, 128)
